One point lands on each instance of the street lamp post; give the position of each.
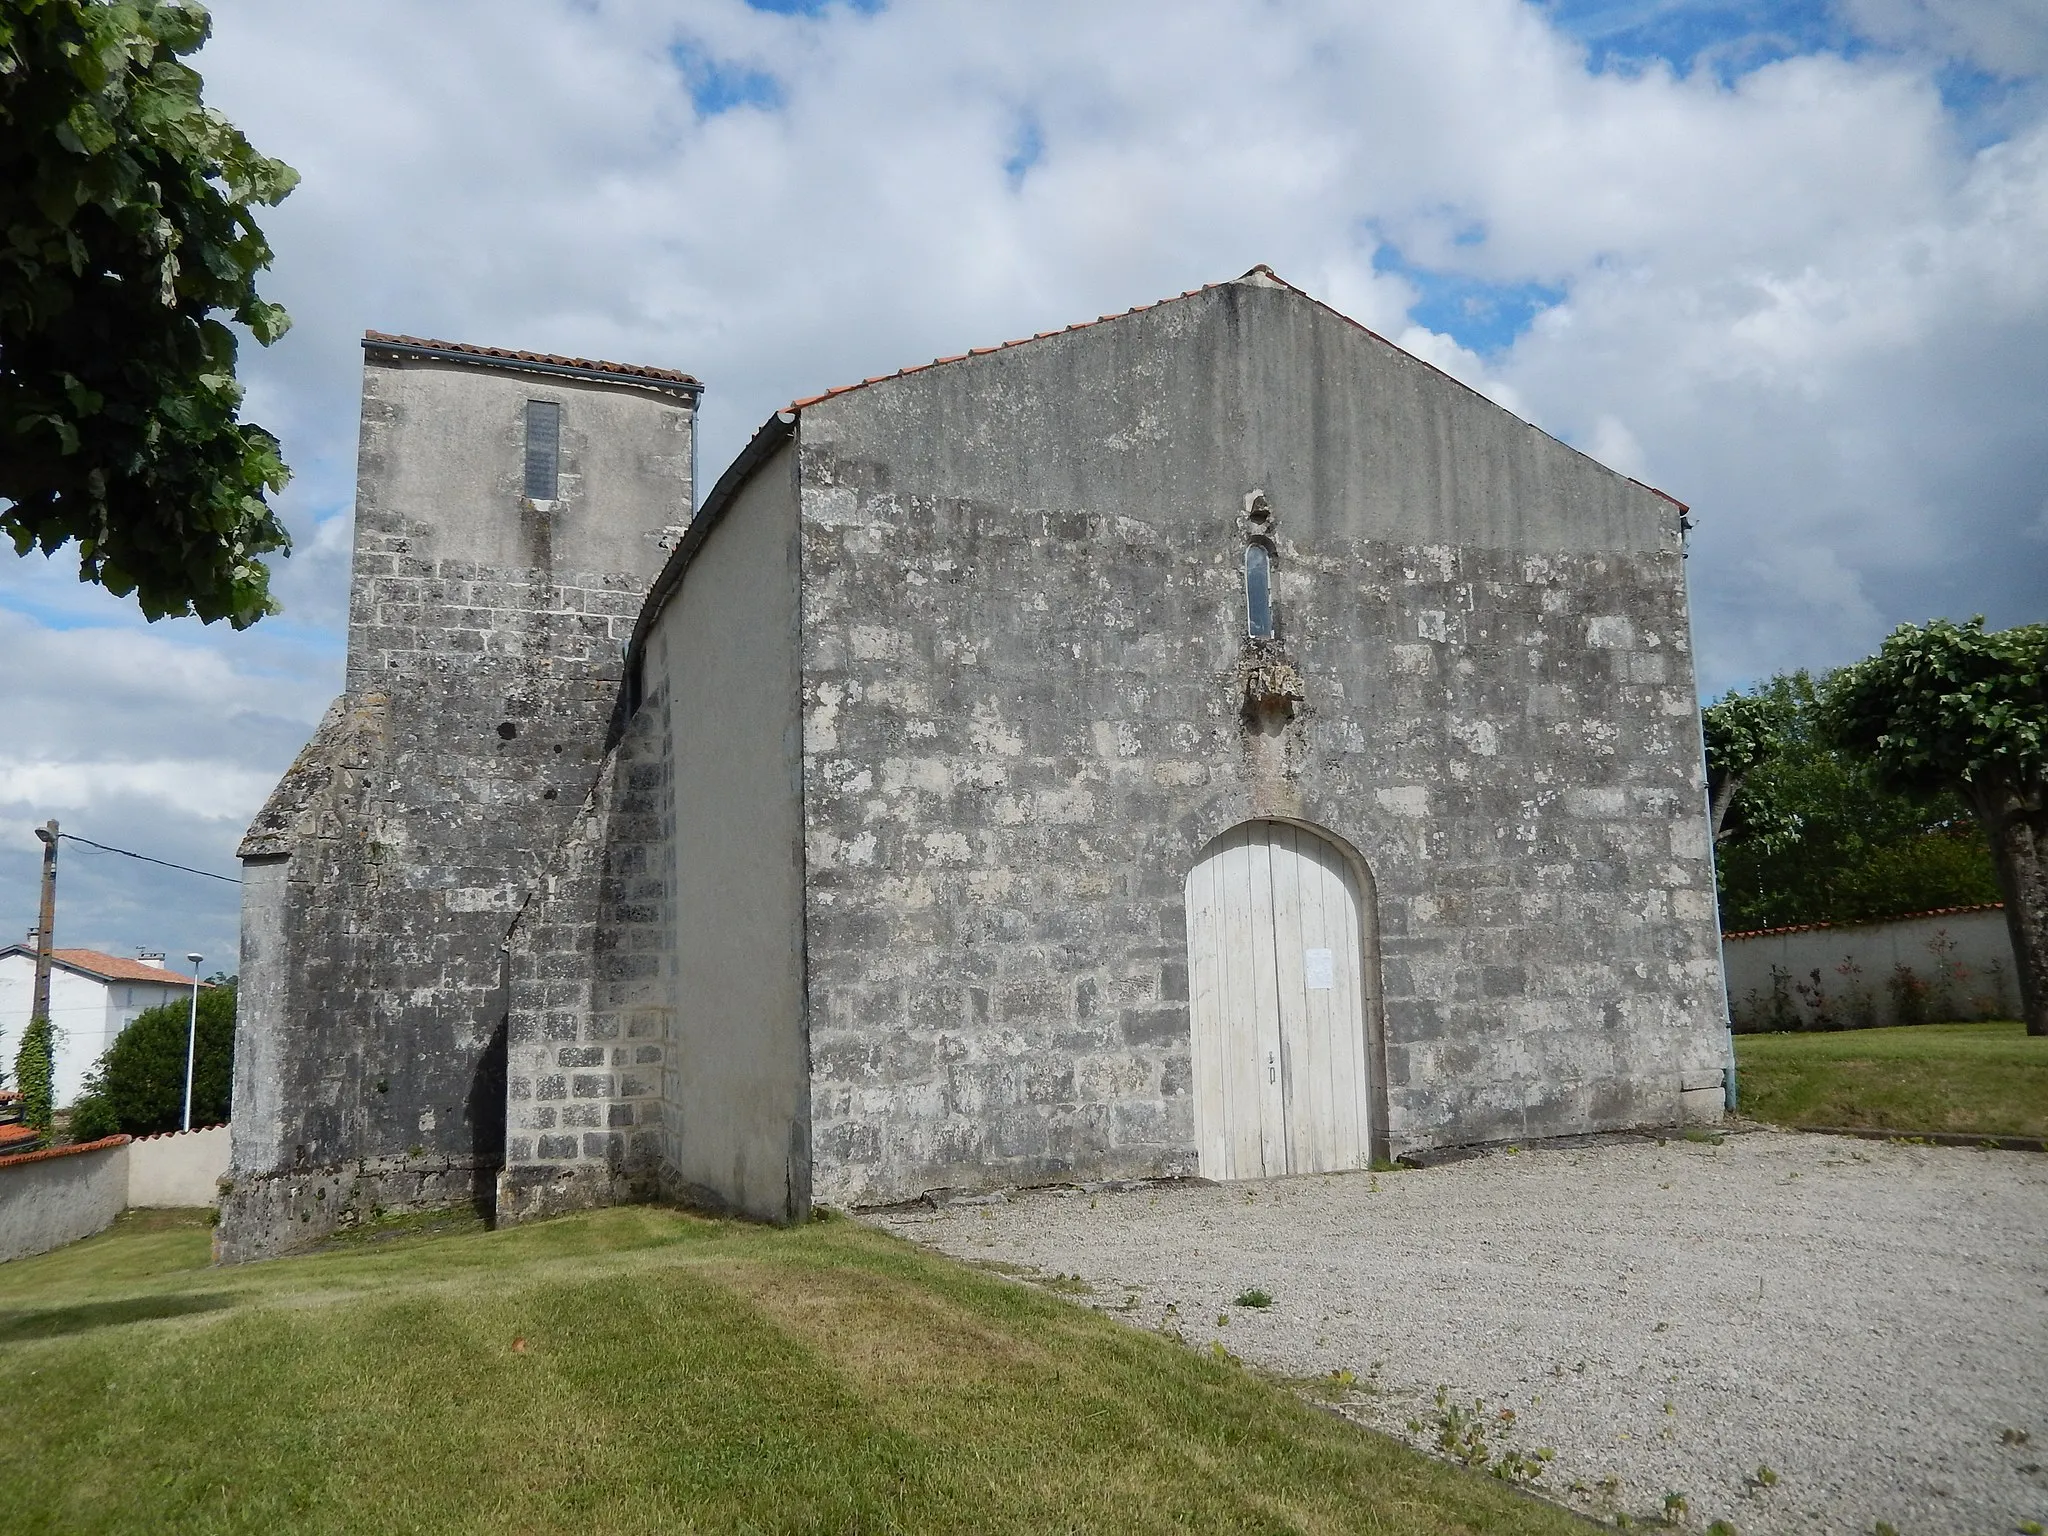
(192, 1038)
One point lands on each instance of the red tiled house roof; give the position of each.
(105, 967)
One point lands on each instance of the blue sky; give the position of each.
(1783, 260)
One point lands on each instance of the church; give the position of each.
(1204, 741)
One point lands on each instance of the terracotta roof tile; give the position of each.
(1865, 922)
(71, 1151)
(547, 359)
(108, 967)
(1022, 341)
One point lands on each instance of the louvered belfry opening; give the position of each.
(543, 449)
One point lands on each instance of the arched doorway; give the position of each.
(1279, 973)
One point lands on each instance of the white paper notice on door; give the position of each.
(1320, 967)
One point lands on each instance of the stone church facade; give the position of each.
(1205, 741)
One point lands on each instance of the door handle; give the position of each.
(1272, 1072)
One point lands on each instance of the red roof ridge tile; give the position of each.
(108, 967)
(167, 1135)
(1261, 270)
(1001, 346)
(1865, 922)
(103, 1144)
(548, 359)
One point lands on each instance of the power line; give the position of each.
(72, 837)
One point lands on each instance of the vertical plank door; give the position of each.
(1277, 1005)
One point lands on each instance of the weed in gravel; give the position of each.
(1762, 1477)
(1705, 1138)
(2013, 1437)
(2029, 1528)
(1334, 1387)
(1254, 1298)
(1222, 1319)
(1461, 1434)
(1675, 1506)
(1884, 1528)
(1722, 1528)
(1068, 1285)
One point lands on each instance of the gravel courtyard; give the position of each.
(1868, 1321)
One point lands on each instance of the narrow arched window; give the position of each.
(543, 449)
(1258, 591)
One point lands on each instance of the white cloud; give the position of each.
(1808, 300)
(2002, 37)
(210, 790)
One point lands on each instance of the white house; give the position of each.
(93, 997)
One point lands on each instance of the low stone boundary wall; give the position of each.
(48, 1199)
(177, 1168)
(1922, 969)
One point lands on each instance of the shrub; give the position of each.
(1909, 995)
(32, 1071)
(141, 1078)
(92, 1117)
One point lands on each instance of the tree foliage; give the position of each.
(32, 1071)
(1949, 706)
(139, 1084)
(1811, 835)
(1744, 731)
(127, 241)
(1956, 707)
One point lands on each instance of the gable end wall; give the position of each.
(1022, 688)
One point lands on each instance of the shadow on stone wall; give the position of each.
(485, 1112)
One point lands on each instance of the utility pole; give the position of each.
(44, 924)
(192, 1038)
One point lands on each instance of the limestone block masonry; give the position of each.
(959, 673)
(511, 511)
(1026, 714)
(590, 979)
(835, 844)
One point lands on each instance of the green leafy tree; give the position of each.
(1812, 836)
(127, 241)
(1947, 706)
(32, 1071)
(139, 1084)
(1744, 732)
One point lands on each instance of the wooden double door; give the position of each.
(1278, 979)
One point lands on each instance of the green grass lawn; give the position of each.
(1977, 1079)
(642, 1370)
